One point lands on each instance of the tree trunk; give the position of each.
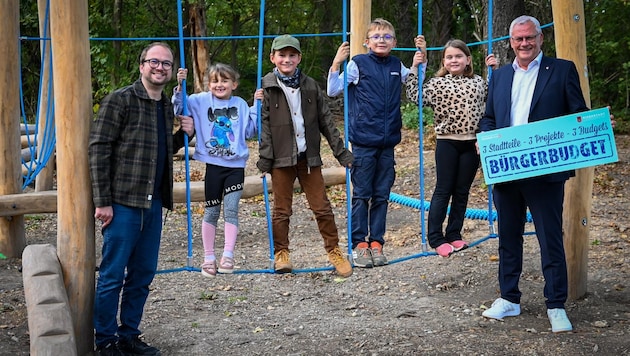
(199, 48)
(504, 12)
(441, 27)
(116, 24)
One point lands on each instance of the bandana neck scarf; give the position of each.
(292, 81)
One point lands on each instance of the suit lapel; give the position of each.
(509, 81)
(544, 73)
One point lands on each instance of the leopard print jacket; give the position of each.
(458, 103)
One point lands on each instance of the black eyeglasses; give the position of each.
(528, 39)
(387, 38)
(154, 63)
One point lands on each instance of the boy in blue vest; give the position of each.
(375, 80)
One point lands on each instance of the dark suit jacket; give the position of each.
(557, 93)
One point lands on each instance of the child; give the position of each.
(458, 98)
(374, 86)
(223, 123)
(294, 116)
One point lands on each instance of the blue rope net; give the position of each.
(42, 146)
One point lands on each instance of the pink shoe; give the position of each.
(459, 245)
(445, 250)
(209, 269)
(226, 265)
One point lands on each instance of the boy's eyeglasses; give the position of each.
(154, 63)
(377, 38)
(528, 39)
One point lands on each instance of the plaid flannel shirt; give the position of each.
(123, 149)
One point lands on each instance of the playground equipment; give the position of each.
(75, 237)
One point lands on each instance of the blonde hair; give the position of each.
(220, 70)
(461, 45)
(380, 24)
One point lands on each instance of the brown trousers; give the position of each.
(312, 183)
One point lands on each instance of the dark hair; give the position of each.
(146, 49)
(221, 70)
(461, 45)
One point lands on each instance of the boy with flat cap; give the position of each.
(294, 116)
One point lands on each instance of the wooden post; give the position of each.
(44, 179)
(570, 34)
(12, 239)
(360, 18)
(75, 217)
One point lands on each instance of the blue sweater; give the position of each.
(222, 128)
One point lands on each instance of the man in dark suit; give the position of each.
(532, 88)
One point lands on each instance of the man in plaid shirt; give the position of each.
(131, 165)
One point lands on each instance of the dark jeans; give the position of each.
(456, 164)
(544, 200)
(373, 175)
(312, 183)
(131, 242)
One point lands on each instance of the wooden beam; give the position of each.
(75, 218)
(360, 18)
(46, 202)
(12, 238)
(570, 35)
(44, 179)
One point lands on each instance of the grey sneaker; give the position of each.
(362, 256)
(378, 258)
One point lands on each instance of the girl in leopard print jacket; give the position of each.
(457, 97)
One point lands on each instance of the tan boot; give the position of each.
(282, 262)
(340, 262)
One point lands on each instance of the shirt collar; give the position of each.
(534, 63)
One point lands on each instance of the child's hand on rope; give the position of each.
(259, 94)
(182, 73)
(420, 43)
(342, 54)
(492, 62)
(418, 58)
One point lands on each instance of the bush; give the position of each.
(410, 116)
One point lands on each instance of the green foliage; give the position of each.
(204, 295)
(410, 116)
(234, 25)
(608, 51)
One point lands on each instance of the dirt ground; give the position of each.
(419, 304)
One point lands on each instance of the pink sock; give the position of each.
(208, 233)
(230, 239)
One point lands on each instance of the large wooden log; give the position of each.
(360, 18)
(27, 140)
(12, 238)
(49, 322)
(70, 40)
(23, 129)
(45, 176)
(570, 35)
(46, 202)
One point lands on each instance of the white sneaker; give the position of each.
(559, 320)
(501, 308)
